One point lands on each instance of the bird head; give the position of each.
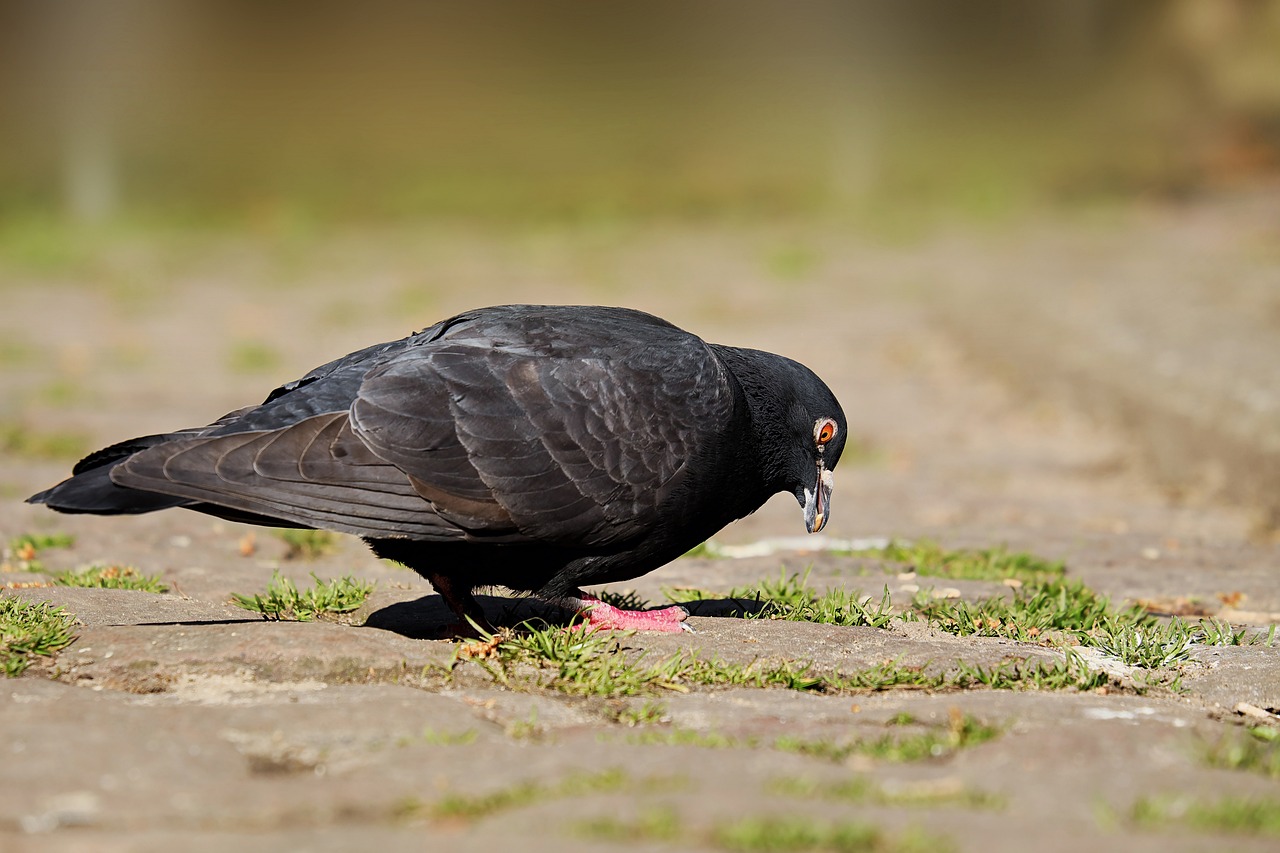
(816, 438)
(798, 426)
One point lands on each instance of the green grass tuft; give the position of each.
(591, 663)
(580, 662)
(862, 790)
(472, 807)
(689, 737)
(41, 541)
(283, 600)
(1045, 608)
(433, 737)
(795, 833)
(1238, 815)
(651, 825)
(1143, 642)
(1215, 632)
(304, 544)
(110, 577)
(768, 834)
(1069, 674)
(791, 598)
(645, 714)
(1060, 611)
(1256, 752)
(30, 629)
(777, 834)
(588, 663)
(526, 729)
(22, 553)
(1032, 613)
(962, 732)
(989, 564)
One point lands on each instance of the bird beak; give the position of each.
(817, 501)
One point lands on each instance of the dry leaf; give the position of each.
(480, 650)
(1232, 599)
(1180, 606)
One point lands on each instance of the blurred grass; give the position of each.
(23, 441)
(251, 356)
(888, 120)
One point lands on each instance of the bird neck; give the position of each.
(763, 379)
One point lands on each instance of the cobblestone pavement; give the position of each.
(966, 366)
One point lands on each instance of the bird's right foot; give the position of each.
(602, 616)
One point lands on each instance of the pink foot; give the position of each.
(601, 616)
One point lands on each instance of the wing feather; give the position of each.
(314, 472)
(576, 449)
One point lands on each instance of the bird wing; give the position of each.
(485, 434)
(293, 459)
(579, 450)
(313, 472)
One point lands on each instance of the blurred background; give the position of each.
(1080, 195)
(298, 114)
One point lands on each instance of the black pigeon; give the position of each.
(532, 447)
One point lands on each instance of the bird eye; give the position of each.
(824, 431)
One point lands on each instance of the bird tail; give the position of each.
(90, 489)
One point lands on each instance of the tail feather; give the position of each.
(93, 492)
(90, 489)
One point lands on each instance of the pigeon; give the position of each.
(537, 448)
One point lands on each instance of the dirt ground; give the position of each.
(180, 721)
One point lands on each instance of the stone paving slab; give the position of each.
(335, 756)
(265, 704)
(178, 721)
(1168, 329)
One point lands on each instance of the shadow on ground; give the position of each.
(429, 618)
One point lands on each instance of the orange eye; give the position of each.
(826, 431)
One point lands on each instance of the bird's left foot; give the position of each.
(602, 616)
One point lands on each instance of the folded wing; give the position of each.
(466, 437)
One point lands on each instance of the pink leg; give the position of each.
(669, 620)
